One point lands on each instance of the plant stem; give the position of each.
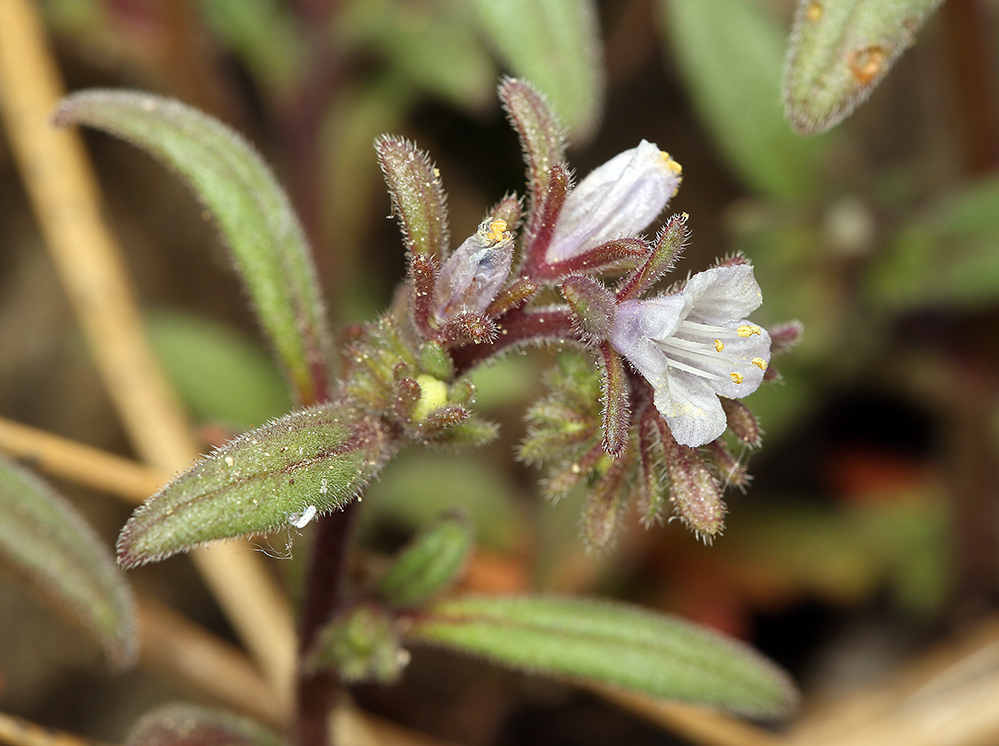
(324, 592)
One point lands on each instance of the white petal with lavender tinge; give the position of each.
(695, 346)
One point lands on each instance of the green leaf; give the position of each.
(946, 256)
(221, 376)
(555, 45)
(310, 462)
(612, 644)
(429, 564)
(839, 51)
(730, 53)
(43, 537)
(252, 212)
(190, 725)
(263, 33)
(411, 35)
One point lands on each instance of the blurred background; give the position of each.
(871, 530)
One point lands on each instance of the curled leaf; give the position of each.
(44, 538)
(252, 212)
(839, 51)
(309, 462)
(614, 644)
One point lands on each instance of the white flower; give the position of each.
(620, 198)
(475, 272)
(695, 346)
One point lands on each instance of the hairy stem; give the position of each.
(324, 591)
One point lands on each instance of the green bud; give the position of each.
(429, 564)
(362, 646)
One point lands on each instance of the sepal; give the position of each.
(418, 198)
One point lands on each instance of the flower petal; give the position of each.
(722, 294)
(748, 356)
(691, 408)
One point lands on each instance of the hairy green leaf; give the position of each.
(839, 51)
(429, 564)
(612, 644)
(190, 725)
(307, 463)
(730, 54)
(252, 212)
(44, 538)
(555, 45)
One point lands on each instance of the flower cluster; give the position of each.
(650, 418)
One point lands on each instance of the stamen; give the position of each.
(736, 377)
(747, 330)
(719, 346)
(495, 233)
(759, 363)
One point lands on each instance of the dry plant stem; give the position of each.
(699, 725)
(79, 463)
(63, 192)
(948, 696)
(15, 731)
(173, 644)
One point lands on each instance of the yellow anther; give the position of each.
(759, 363)
(496, 230)
(671, 164)
(747, 330)
(736, 377)
(719, 345)
(814, 11)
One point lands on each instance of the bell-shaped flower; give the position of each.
(473, 275)
(620, 198)
(695, 346)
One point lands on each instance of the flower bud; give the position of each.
(473, 275)
(620, 198)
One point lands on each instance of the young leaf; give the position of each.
(429, 564)
(730, 53)
(252, 212)
(44, 538)
(190, 725)
(840, 51)
(554, 44)
(308, 462)
(612, 644)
